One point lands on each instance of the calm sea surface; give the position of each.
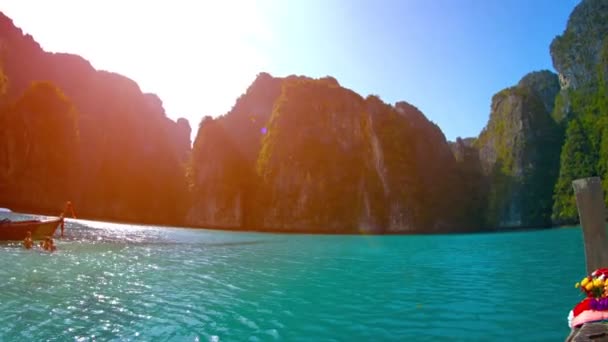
(136, 283)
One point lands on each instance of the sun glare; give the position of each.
(178, 50)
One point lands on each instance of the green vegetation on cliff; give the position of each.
(519, 151)
(313, 158)
(420, 171)
(576, 52)
(578, 160)
(580, 55)
(585, 150)
(319, 157)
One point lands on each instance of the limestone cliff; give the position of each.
(580, 55)
(130, 155)
(578, 51)
(315, 160)
(470, 199)
(38, 140)
(223, 195)
(302, 154)
(298, 154)
(519, 152)
(220, 173)
(419, 169)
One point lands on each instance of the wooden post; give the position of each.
(592, 214)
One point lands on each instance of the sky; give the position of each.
(446, 57)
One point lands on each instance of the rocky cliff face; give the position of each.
(577, 52)
(420, 169)
(225, 152)
(220, 173)
(315, 160)
(130, 153)
(580, 55)
(38, 143)
(520, 147)
(470, 198)
(299, 154)
(329, 160)
(519, 152)
(179, 135)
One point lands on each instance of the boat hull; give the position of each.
(17, 230)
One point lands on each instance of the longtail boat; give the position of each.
(17, 230)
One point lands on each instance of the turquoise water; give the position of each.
(121, 282)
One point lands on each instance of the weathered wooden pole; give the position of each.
(592, 214)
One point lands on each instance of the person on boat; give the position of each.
(68, 205)
(28, 243)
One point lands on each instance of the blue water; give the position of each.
(135, 283)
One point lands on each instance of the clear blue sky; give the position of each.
(447, 57)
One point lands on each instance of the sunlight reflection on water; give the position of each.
(110, 281)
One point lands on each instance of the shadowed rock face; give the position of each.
(130, 155)
(545, 86)
(220, 173)
(299, 154)
(519, 152)
(313, 160)
(180, 136)
(224, 155)
(38, 138)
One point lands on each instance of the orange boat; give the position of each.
(17, 230)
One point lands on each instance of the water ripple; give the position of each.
(122, 282)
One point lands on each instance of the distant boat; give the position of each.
(17, 230)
